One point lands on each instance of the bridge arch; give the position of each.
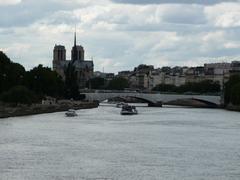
(156, 98)
(135, 97)
(149, 102)
(192, 102)
(210, 104)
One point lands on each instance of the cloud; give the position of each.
(30, 11)
(232, 45)
(9, 2)
(26, 12)
(203, 2)
(174, 14)
(120, 36)
(224, 15)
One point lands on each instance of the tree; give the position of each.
(19, 94)
(44, 81)
(71, 85)
(11, 74)
(40, 80)
(206, 86)
(165, 88)
(231, 90)
(96, 83)
(235, 94)
(118, 83)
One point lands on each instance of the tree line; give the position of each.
(20, 86)
(203, 87)
(117, 83)
(232, 91)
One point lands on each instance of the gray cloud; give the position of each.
(204, 2)
(29, 11)
(121, 36)
(193, 16)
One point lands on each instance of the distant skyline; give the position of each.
(121, 34)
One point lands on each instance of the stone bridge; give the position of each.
(155, 99)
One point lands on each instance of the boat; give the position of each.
(129, 110)
(71, 113)
(120, 105)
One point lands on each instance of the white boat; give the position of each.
(129, 110)
(71, 113)
(120, 105)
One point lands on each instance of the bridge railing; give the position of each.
(146, 92)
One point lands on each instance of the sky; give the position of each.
(121, 34)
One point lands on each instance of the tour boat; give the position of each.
(71, 113)
(120, 105)
(129, 110)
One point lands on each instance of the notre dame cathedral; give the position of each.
(83, 68)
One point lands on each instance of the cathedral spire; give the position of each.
(75, 37)
(77, 50)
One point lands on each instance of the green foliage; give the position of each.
(232, 90)
(165, 88)
(44, 81)
(235, 94)
(11, 74)
(96, 83)
(118, 83)
(71, 85)
(41, 80)
(19, 94)
(4, 60)
(206, 86)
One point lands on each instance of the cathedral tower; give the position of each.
(59, 58)
(77, 51)
(83, 68)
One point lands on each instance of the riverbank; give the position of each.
(7, 110)
(231, 107)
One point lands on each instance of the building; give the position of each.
(49, 101)
(125, 74)
(217, 68)
(235, 67)
(84, 68)
(139, 78)
(195, 74)
(217, 72)
(145, 77)
(156, 77)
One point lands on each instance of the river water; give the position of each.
(159, 143)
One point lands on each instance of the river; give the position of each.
(159, 143)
